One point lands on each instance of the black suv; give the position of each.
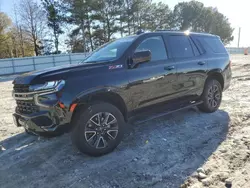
(135, 78)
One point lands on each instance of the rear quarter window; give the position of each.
(213, 43)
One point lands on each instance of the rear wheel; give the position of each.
(98, 129)
(211, 97)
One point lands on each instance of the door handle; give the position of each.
(201, 63)
(169, 68)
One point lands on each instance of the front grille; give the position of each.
(21, 88)
(26, 107)
(24, 100)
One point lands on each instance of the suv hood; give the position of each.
(59, 72)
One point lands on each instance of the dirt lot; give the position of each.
(161, 153)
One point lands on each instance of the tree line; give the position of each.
(83, 25)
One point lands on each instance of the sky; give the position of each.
(236, 11)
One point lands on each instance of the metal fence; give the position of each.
(235, 50)
(21, 65)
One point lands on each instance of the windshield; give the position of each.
(110, 51)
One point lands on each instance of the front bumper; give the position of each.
(50, 121)
(40, 111)
(40, 122)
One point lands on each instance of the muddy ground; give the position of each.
(161, 153)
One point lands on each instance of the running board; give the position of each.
(158, 115)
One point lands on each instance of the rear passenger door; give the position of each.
(190, 64)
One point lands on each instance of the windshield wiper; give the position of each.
(88, 62)
(96, 62)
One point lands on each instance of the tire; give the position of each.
(211, 96)
(98, 129)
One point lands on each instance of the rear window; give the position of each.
(214, 44)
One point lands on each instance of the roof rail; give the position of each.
(187, 32)
(167, 30)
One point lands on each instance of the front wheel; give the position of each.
(211, 96)
(98, 129)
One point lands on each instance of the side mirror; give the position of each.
(141, 57)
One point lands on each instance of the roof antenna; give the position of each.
(140, 31)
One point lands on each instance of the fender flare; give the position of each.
(108, 94)
(218, 74)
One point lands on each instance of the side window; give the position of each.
(156, 46)
(199, 45)
(180, 46)
(214, 44)
(196, 51)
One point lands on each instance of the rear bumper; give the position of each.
(227, 84)
(227, 81)
(227, 76)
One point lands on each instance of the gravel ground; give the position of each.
(184, 149)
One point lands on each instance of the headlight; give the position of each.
(51, 85)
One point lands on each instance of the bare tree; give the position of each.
(19, 31)
(33, 21)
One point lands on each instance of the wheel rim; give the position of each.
(101, 129)
(214, 96)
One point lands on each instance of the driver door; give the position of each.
(152, 82)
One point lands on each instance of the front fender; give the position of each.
(85, 95)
